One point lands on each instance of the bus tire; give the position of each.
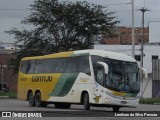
(62, 105)
(38, 102)
(44, 104)
(116, 109)
(31, 99)
(86, 102)
(66, 106)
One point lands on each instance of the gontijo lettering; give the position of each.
(42, 79)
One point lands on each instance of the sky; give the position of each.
(13, 11)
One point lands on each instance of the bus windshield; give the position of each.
(123, 76)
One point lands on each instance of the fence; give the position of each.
(7, 77)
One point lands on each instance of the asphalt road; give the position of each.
(20, 106)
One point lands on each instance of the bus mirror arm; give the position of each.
(105, 66)
(144, 72)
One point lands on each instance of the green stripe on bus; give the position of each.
(79, 54)
(64, 84)
(131, 94)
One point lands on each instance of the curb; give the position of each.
(4, 96)
(156, 103)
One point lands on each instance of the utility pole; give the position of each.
(143, 10)
(2, 77)
(133, 32)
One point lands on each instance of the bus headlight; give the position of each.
(106, 99)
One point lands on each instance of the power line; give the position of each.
(117, 4)
(155, 11)
(14, 9)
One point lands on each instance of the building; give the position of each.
(9, 46)
(122, 44)
(124, 36)
(7, 74)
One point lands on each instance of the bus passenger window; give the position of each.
(39, 66)
(23, 67)
(60, 64)
(49, 65)
(71, 65)
(83, 64)
(30, 67)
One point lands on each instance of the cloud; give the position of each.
(7, 24)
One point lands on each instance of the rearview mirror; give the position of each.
(105, 66)
(144, 72)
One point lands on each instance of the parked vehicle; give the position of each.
(5, 87)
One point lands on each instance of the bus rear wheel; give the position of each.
(86, 102)
(38, 102)
(31, 99)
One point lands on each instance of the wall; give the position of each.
(154, 31)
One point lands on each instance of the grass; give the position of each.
(9, 94)
(150, 100)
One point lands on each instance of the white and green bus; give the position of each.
(88, 77)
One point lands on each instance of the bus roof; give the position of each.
(102, 53)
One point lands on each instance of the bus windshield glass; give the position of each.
(123, 76)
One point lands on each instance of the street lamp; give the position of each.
(1, 77)
(133, 32)
(143, 10)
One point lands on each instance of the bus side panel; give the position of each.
(70, 88)
(46, 88)
(64, 84)
(44, 83)
(21, 91)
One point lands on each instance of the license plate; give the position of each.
(123, 102)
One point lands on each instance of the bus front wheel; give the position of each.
(116, 109)
(31, 99)
(86, 102)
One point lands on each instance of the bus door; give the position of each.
(100, 77)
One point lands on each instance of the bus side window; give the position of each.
(30, 66)
(39, 66)
(60, 64)
(23, 67)
(71, 65)
(83, 64)
(49, 65)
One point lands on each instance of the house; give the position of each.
(8, 77)
(123, 36)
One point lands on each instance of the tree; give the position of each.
(62, 26)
